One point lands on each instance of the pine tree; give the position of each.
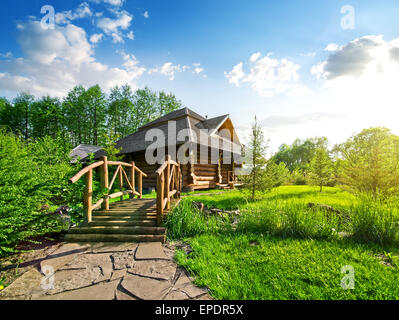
(321, 168)
(257, 180)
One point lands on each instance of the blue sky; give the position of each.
(291, 63)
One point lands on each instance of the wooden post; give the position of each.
(121, 182)
(140, 185)
(168, 183)
(160, 197)
(105, 182)
(88, 196)
(132, 172)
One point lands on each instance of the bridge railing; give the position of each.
(107, 184)
(169, 185)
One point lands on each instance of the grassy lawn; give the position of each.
(283, 250)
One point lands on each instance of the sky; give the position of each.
(303, 68)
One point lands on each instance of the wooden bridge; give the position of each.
(133, 220)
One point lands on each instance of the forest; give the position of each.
(36, 137)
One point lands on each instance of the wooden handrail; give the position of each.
(105, 184)
(168, 185)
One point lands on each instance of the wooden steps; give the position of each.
(126, 221)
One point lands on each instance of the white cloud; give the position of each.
(268, 76)
(117, 3)
(146, 15)
(332, 47)
(197, 68)
(365, 57)
(96, 38)
(130, 35)
(236, 75)
(169, 69)
(81, 12)
(56, 60)
(114, 27)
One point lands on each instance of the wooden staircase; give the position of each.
(132, 220)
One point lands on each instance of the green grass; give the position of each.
(287, 268)
(296, 251)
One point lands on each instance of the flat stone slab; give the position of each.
(122, 260)
(102, 291)
(150, 251)
(145, 288)
(106, 271)
(64, 255)
(109, 247)
(157, 269)
(66, 280)
(21, 288)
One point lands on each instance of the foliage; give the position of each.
(257, 180)
(31, 175)
(281, 235)
(110, 147)
(247, 266)
(299, 155)
(85, 116)
(321, 167)
(377, 221)
(187, 221)
(371, 162)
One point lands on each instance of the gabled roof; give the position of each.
(213, 124)
(174, 115)
(82, 151)
(183, 118)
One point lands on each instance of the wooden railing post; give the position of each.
(160, 197)
(132, 178)
(121, 182)
(168, 183)
(105, 181)
(140, 185)
(88, 196)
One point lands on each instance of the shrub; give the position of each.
(187, 221)
(375, 221)
(31, 175)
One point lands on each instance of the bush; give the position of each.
(187, 221)
(32, 174)
(290, 220)
(376, 221)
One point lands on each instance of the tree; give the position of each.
(321, 168)
(74, 112)
(300, 153)
(257, 180)
(46, 118)
(22, 106)
(96, 113)
(370, 162)
(110, 147)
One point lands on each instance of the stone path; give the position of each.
(101, 271)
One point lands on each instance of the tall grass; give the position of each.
(290, 220)
(187, 221)
(285, 212)
(376, 221)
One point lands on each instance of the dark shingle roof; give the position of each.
(184, 119)
(82, 151)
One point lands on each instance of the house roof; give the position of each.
(82, 151)
(184, 119)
